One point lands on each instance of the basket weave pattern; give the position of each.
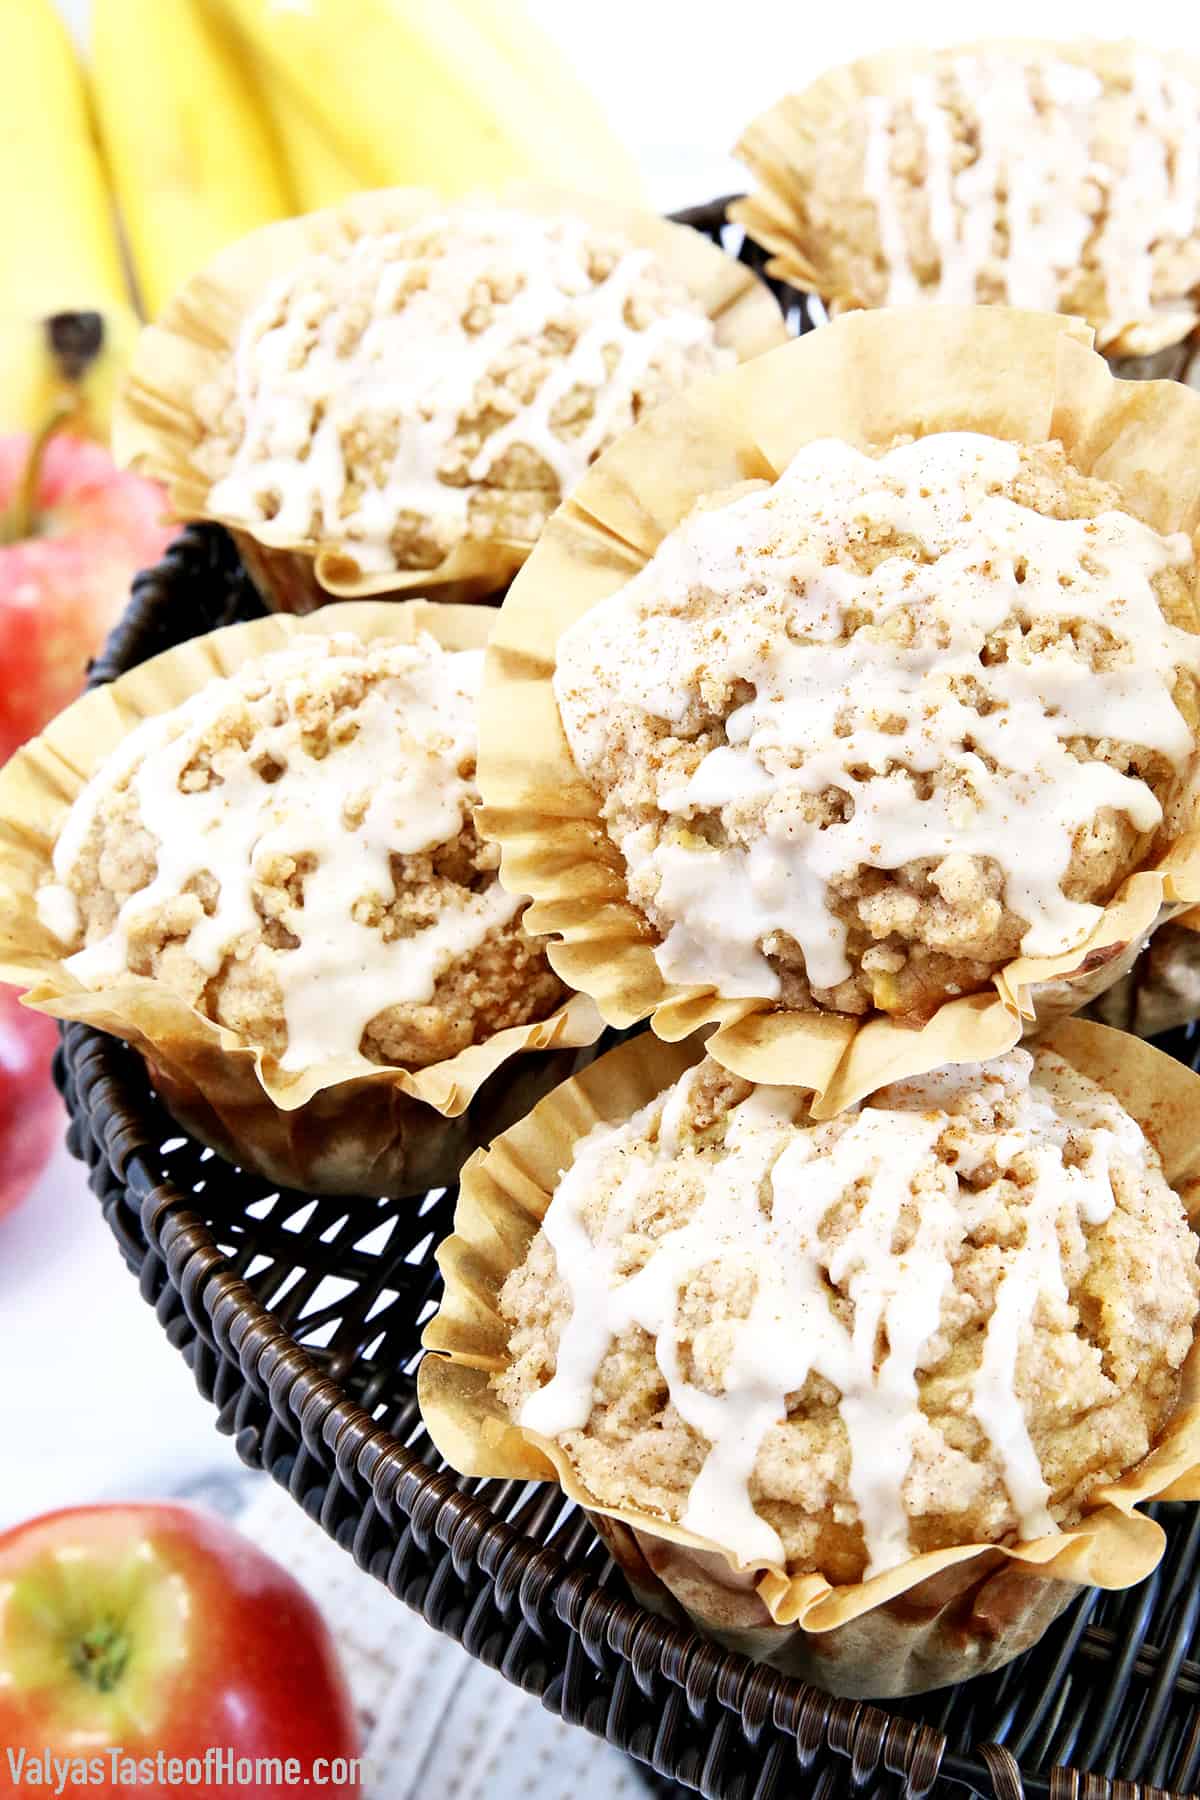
(301, 1321)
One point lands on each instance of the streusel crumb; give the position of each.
(293, 851)
(1059, 178)
(866, 734)
(945, 1318)
(447, 381)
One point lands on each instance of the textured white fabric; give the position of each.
(435, 1722)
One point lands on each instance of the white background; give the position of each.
(93, 1402)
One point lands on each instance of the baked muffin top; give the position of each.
(293, 851)
(942, 1318)
(1059, 178)
(450, 380)
(865, 734)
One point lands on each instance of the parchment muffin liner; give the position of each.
(330, 1128)
(779, 145)
(938, 1618)
(866, 378)
(156, 428)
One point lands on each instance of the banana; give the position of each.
(317, 175)
(509, 28)
(66, 326)
(415, 92)
(192, 162)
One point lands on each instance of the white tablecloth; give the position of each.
(434, 1722)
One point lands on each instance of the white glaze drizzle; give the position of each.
(416, 370)
(791, 1330)
(1046, 161)
(414, 732)
(903, 285)
(642, 652)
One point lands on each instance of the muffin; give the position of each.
(510, 349)
(861, 697)
(944, 1318)
(815, 1373)
(408, 390)
(867, 734)
(1060, 177)
(287, 858)
(293, 852)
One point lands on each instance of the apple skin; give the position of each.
(32, 1119)
(223, 1646)
(63, 589)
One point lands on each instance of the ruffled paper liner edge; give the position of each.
(198, 1063)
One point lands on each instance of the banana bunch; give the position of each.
(208, 118)
(448, 94)
(193, 161)
(66, 324)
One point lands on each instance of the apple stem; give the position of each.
(21, 518)
(101, 1655)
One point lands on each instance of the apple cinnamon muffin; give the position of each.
(945, 1317)
(293, 852)
(866, 734)
(1060, 177)
(404, 392)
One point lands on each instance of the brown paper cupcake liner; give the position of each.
(943, 1615)
(969, 1620)
(779, 146)
(867, 378)
(330, 1128)
(156, 428)
(287, 581)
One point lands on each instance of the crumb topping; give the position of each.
(944, 1317)
(447, 381)
(865, 734)
(1036, 181)
(294, 851)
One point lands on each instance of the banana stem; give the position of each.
(74, 340)
(21, 518)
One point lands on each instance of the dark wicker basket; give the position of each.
(301, 1319)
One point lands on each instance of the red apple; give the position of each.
(31, 1113)
(72, 537)
(136, 1639)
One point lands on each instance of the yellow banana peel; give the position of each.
(72, 359)
(314, 172)
(559, 91)
(193, 162)
(317, 174)
(414, 92)
(63, 255)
